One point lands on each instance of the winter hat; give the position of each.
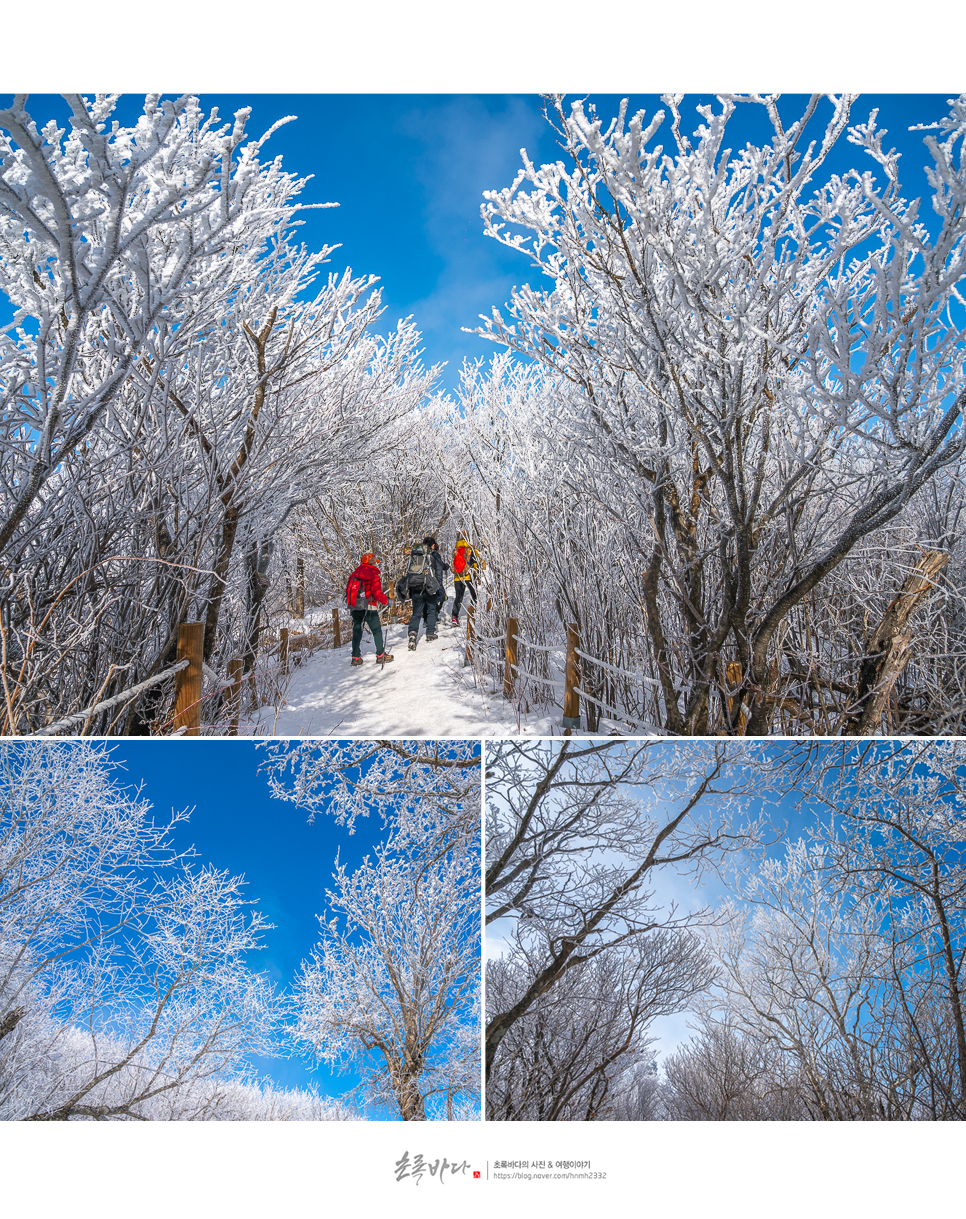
(368, 557)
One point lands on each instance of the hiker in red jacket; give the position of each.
(363, 596)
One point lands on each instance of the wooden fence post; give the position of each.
(571, 707)
(283, 649)
(187, 682)
(511, 657)
(470, 613)
(233, 701)
(336, 630)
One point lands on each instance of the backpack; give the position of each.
(459, 560)
(419, 574)
(356, 597)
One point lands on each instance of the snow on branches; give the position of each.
(825, 983)
(174, 385)
(124, 984)
(577, 835)
(393, 985)
(428, 790)
(758, 367)
(104, 231)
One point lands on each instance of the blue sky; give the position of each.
(237, 826)
(409, 170)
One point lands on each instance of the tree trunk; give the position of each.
(299, 587)
(257, 560)
(229, 482)
(887, 651)
(229, 528)
(412, 1107)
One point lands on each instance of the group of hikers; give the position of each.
(423, 583)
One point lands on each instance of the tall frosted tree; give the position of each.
(758, 365)
(393, 987)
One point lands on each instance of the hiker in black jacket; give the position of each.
(440, 568)
(421, 586)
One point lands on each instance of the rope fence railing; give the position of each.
(504, 658)
(191, 672)
(557, 683)
(291, 648)
(603, 688)
(81, 717)
(603, 664)
(620, 716)
(496, 654)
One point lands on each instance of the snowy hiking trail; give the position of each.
(426, 693)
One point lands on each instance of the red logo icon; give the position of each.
(476, 1174)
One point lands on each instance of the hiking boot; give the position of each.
(356, 660)
(455, 621)
(432, 636)
(386, 656)
(412, 643)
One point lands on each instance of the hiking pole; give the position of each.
(385, 638)
(385, 641)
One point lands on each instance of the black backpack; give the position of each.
(419, 574)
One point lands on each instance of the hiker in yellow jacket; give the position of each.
(466, 564)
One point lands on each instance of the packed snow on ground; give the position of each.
(426, 693)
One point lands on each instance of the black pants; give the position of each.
(359, 619)
(423, 602)
(461, 586)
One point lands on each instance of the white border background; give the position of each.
(680, 1170)
(500, 46)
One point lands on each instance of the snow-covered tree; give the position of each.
(405, 500)
(757, 366)
(897, 842)
(393, 985)
(124, 983)
(172, 393)
(577, 835)
(839, 987)
(724, 1075)
(802, 969)
(579, 1049)
(108, 232)
(427, 790)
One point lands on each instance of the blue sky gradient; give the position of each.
(237, 826)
